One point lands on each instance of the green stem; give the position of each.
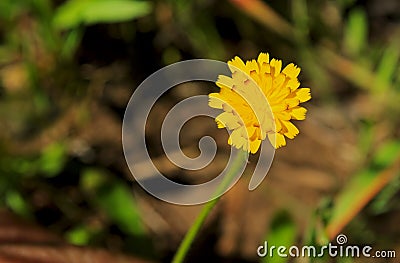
(194, 229)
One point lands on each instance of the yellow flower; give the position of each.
(245, 102)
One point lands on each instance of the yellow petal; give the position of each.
(227, 108)
(254, 146)
(225, 91)
(263, 59)
(267, 126)
(240, 77)
(223, 86)
(267, 87)
(291, 102)
(290, 130)
(293, 84)
(278, 81)
(303, 94)
(283, 115)
(227, 119)
(291, 70)
(220, 125)
(277, 140)
(225, 81)
(253, 70)
(252, 132)
(237, 140)
(252, 65)
(278, 95)
(214, 101)
(277, 65)
(278, 107)
(280, 140)
(278, 125)
(298, 113)
(235, 64)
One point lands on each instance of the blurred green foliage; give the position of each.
(38, 43)
(283, 231)
(115, 198)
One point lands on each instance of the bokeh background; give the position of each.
(68, 68)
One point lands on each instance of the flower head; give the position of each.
(259, 101)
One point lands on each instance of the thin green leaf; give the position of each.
(115, 11)
(364, 186)
(76, 12)
(356, 31)
(387, 67)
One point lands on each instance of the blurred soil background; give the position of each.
(68, 69)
